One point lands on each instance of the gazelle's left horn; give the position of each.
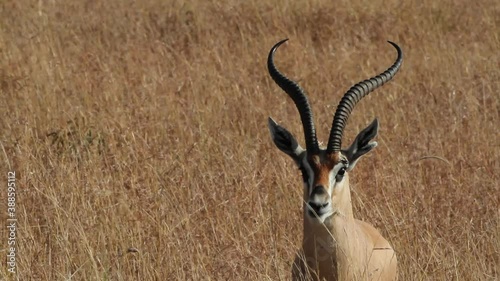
(353, 96)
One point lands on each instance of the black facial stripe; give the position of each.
(305, 175)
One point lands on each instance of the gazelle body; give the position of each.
(335, 245)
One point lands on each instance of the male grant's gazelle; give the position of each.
(335, 245)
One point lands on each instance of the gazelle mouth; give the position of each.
(319, 211)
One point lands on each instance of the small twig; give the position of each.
(435, 157)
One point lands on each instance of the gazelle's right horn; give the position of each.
(299, 98)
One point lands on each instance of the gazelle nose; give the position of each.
(318, 206)
(318, 190)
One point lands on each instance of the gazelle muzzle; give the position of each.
(319, 203)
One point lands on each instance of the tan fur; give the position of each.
(342, 248)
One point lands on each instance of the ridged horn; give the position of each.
(353, 96)
(299, 98)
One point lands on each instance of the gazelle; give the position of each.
(335, 245)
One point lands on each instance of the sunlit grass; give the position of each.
(138, 131)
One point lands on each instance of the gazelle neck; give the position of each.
(324, 243)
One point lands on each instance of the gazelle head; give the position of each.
(325, 170)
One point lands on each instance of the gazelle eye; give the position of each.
(340, 174)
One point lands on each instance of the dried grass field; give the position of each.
(138, 134)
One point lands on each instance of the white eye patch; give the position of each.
(337, 174)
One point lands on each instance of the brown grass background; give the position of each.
(142, 124)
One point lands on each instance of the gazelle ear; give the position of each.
(362, 144)
(285, 141)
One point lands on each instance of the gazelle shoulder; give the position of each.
(373, 234)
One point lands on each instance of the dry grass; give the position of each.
(143, 124)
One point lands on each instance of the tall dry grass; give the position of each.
(143, 125)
